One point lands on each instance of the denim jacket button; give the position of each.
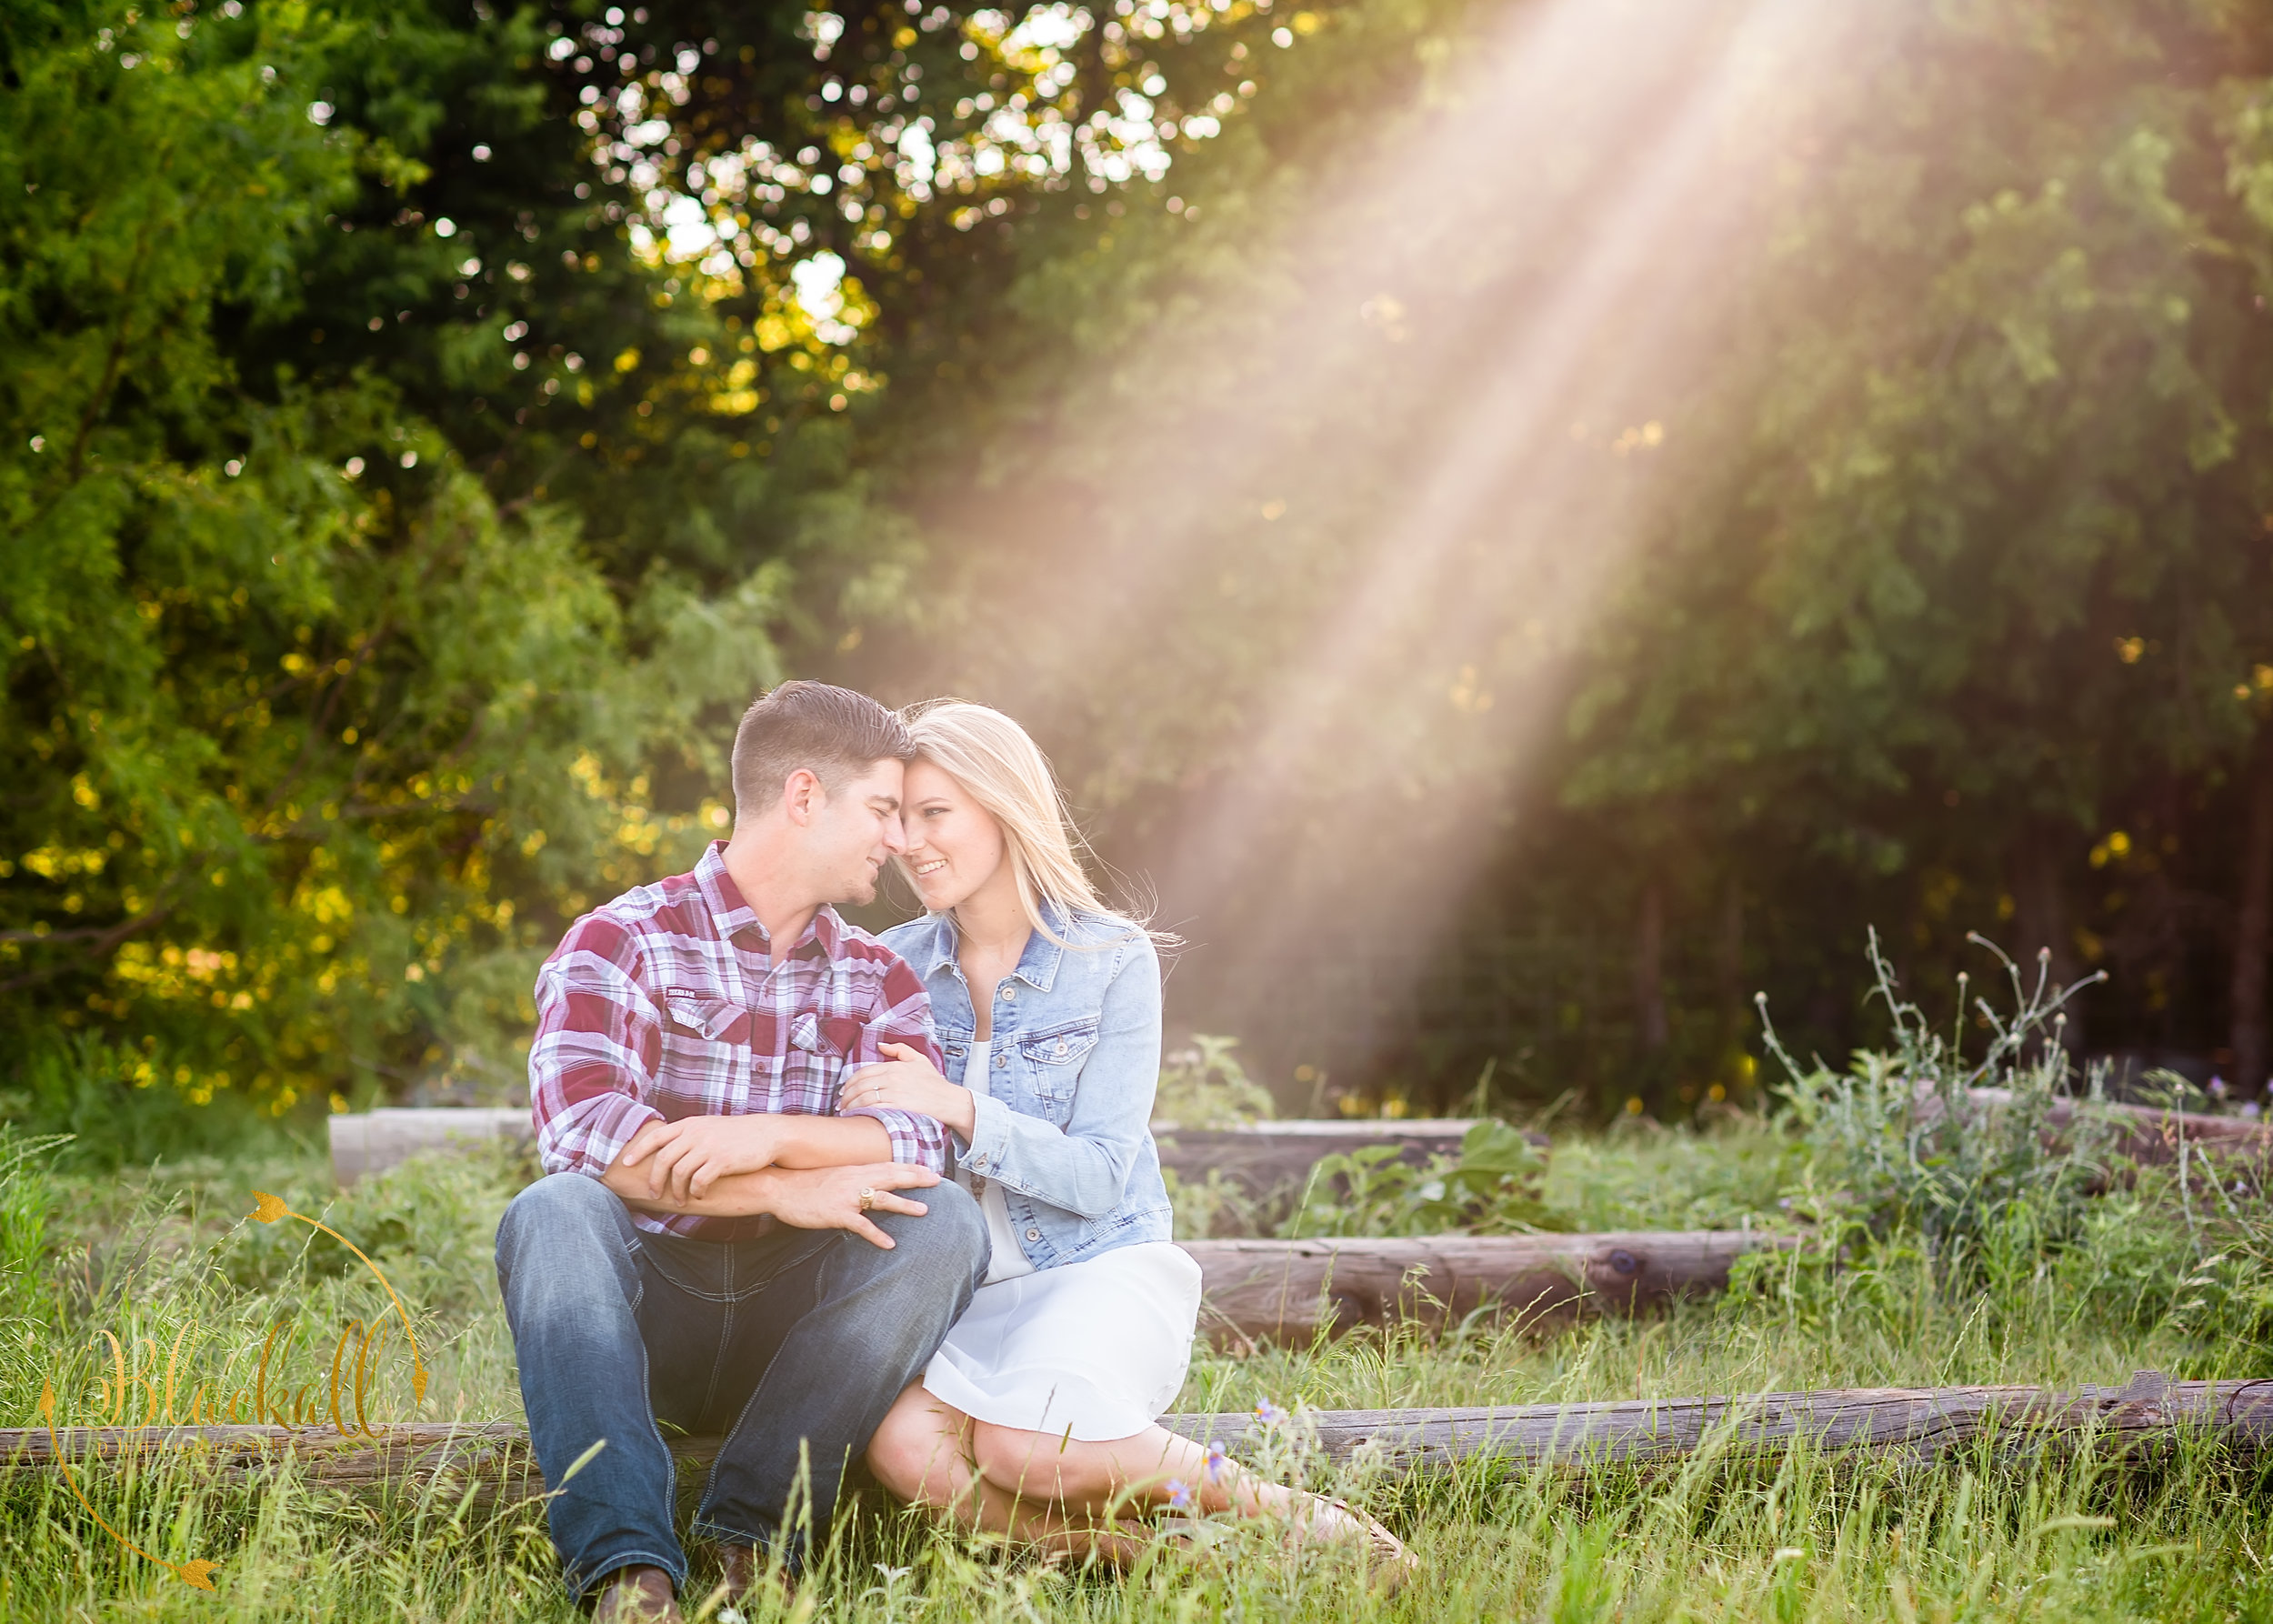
(1033, 1235)
(1009, 994)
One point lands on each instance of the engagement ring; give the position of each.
(867, 1197)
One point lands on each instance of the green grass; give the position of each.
(168, 1254)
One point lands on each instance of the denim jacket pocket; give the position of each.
(1052, 1057)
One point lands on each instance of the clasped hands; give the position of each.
(685, 1157)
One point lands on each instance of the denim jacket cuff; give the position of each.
(990, 1137)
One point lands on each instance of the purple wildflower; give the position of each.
(1217, 1461)
(1269, 1413)
(1179, 1494)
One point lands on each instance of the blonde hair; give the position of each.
(1005, 771)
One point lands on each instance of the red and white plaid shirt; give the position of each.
(665, 1004)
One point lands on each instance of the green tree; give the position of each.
(296, 716)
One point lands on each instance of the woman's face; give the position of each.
(954, 845)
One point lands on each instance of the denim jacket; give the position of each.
(1077, 1035)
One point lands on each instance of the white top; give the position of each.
(1009, 1260)
(1091, 1350)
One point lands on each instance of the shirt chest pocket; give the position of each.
(1051, 1061)
(813, 1063)
(705, 1047)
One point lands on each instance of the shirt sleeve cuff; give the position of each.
(915, 1138)
(990, 1136)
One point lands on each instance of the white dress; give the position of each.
(1096, 1349)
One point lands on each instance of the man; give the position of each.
(715, 1237)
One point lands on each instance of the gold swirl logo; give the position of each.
(295, 1410)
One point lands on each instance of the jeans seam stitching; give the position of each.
(710, 1482)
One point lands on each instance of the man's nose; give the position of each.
(894, 835)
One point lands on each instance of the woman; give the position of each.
(1036, 1419)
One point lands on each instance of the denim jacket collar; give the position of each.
(1037, 966)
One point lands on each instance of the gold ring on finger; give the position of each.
(867, 1197)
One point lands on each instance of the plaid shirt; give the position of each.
(665, 1004)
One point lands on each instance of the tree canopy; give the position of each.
(1519, 527)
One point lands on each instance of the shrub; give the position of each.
(1206, 1086)
(1907, 1138)
(1495, 1186)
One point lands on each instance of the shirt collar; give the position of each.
(736, 915)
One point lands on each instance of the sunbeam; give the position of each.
(1549, 249)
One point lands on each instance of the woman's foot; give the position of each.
(1387, 1562)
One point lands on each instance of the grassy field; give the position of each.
(168, 1261)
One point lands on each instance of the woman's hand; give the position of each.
(909, 1082)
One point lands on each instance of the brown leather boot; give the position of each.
(637, 1595)
(739, 1566)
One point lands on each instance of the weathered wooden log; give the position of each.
(374, 1141)
(1285, 1290)
(494, 1460)
(2152, 1135)
(2147, 1133)
(1260, 1156)
(1926, 1422)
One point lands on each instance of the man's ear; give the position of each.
(802, 796)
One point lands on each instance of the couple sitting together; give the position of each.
(737, 1096)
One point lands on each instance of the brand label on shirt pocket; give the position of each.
(704, 1014)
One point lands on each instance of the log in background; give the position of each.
(1289, 1291)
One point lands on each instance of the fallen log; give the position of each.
(1923, 1422)
(1264, 1157)
(492, 1460)
(2148, 1136)
(366, 1142)
(2152, 1135)
(1287, 1290)
(1259, 1156)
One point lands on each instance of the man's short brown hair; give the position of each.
(833, 733)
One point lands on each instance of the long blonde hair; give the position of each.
(1005, 771)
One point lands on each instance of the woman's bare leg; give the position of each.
(1062, 1494)
(1125, 1471)
(922, 1453)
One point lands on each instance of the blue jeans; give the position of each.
(793, 1345)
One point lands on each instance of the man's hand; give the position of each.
(829, 1198)
(909, 1082)
(684, 1157)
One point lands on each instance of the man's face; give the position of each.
(855, 831)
